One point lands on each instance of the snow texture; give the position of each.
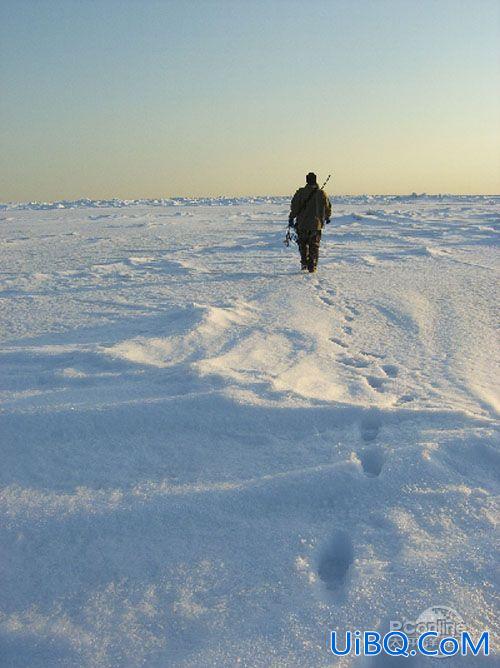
(211, 459)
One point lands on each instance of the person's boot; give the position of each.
(303, 266)
(312, 268)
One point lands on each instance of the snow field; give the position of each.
(210, 458)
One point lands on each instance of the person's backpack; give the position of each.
(304, 206)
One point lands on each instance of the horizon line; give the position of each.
(245, 196)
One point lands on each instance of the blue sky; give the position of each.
(149, 99)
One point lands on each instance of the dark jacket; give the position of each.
(312, 215)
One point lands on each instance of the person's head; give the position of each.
(311, 179)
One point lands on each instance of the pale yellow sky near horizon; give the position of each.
(152, 100)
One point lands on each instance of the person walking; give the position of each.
(312, 209)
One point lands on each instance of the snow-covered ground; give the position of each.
(211, 459)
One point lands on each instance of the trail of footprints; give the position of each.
(337, 555)
(381, 374)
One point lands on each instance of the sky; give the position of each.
(142, 98)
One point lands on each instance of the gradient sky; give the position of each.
(123, 98)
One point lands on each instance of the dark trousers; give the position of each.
(309, 241)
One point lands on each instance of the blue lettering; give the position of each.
(421, 647)
(334, 647)
(401, 650)
(372, 643)
(447, 641)
(467, 641)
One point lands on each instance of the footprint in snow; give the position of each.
(327, 300)
(372, 460)
(390, 370)
(370, 427)
(339, 342)
(375, 383)
(352, 309)
(351, 361)
(406, 398)
(372, 354)
(335, 560)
